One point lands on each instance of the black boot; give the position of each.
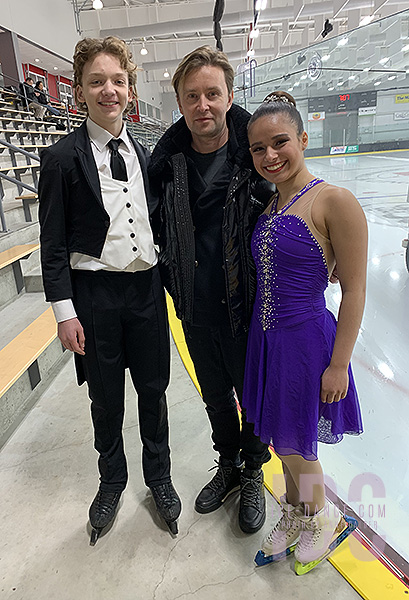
(252, 512)
(168, 504)
(102, 511)
(226, 481)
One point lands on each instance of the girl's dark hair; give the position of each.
(278, 102)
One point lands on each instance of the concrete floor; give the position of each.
(49, 476)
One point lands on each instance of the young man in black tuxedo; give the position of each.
(100, 274)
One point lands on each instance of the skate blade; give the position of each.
(94, 536)
(173, 527)
(344, 528)
(262, 559)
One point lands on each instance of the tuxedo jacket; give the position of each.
(71, 212)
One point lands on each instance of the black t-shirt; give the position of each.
(209, 177)
(209, 164)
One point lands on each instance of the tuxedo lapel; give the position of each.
(142, 157)
(87, 162)
(142, 161)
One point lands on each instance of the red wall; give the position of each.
(52, 80)
(52, 85)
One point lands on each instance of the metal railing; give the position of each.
(20, 184)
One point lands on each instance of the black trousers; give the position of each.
(125, 324)
(219, 361)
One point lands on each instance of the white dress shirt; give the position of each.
(129, 243)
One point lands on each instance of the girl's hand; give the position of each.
(334, 384)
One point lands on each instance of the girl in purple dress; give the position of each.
(299, 387)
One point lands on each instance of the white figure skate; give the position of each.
(320, 535)
(282, 539)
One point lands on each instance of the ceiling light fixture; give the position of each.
(97, 4)
(384, 60)
(342, 42)
(366, 20)
(325, 57)
(251, 52)
(377, 83)
(144, 50)
(254, 33)
(166, 74)
(260, 5)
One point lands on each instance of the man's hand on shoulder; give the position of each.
(72, 336)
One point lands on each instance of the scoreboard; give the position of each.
(346, 101)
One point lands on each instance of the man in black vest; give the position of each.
(210, 199)
(100, 274)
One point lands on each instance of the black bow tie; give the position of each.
(118, 167)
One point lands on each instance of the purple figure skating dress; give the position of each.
(292, 334)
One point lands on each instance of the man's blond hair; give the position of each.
(205, 56)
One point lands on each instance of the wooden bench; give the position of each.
(50, 122)
(19, 167)
(13, 111)
(25, 146)
(12, 256)
(27, 200)
(17, 171)
(21, 354)
(33, 132)
(20, 132)
(8, 134)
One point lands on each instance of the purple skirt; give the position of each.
(282, 387)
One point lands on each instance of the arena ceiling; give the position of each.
(172, 28)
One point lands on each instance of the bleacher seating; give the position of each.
(29, 347)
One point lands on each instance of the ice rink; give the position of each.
(378, 461)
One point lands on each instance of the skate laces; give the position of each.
(288, 524)
(312, 530)
(221, 477)
(250, 490)
(164, 493)
(106, 501)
